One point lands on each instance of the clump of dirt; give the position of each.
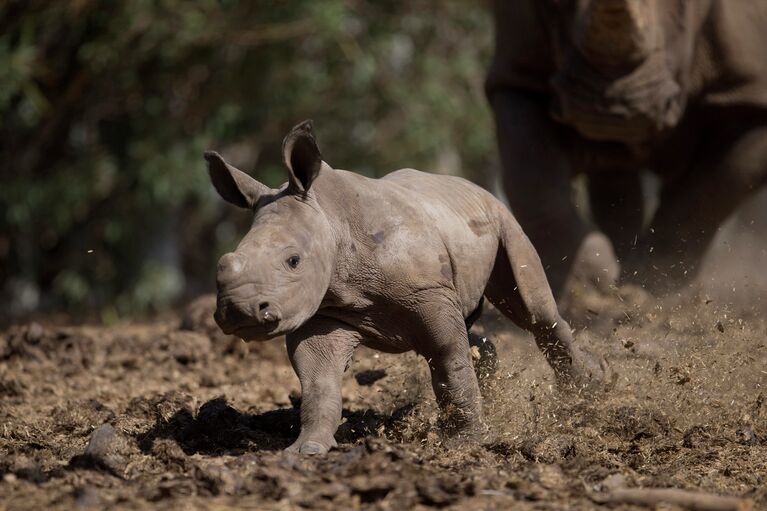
(157, 416)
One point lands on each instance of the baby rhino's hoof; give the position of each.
(310, 447)
(588, 371)
(454, 438)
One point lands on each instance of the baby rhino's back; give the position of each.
(465, 216)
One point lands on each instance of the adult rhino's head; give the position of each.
(619, 65)
(277, 276)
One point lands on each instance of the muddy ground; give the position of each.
(154, 416)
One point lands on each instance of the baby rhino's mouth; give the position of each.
(255, 332)
(242, 320)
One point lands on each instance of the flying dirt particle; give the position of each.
(720, 326)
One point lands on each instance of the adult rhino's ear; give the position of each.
(301, 156)
(233, 185)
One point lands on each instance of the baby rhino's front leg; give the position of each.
(320, 352)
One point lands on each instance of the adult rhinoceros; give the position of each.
(609, 88)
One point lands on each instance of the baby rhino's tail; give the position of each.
(518, 288)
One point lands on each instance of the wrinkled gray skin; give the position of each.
(608, 88)
(334, 259)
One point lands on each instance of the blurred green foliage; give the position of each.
(106, 108)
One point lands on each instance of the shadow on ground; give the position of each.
(217, 428)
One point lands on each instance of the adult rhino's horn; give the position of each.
(616, 32)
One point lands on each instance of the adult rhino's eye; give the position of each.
(293, 261)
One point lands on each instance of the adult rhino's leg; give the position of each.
(617, 205)
(731, 167)
(320, 352)
(518, 288)
(536, 179)
(443, 342)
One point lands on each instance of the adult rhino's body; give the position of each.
(335, 259)
(609, 88)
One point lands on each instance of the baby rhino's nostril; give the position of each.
(268, 315)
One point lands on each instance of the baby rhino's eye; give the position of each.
(293, 261)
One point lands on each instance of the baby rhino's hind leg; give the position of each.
(518, 287)
(442, 341)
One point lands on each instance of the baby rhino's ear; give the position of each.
(233, 185)
(301, 156)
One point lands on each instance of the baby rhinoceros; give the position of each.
(335, 259)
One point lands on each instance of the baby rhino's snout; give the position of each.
(239, 309)
(230, 268)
